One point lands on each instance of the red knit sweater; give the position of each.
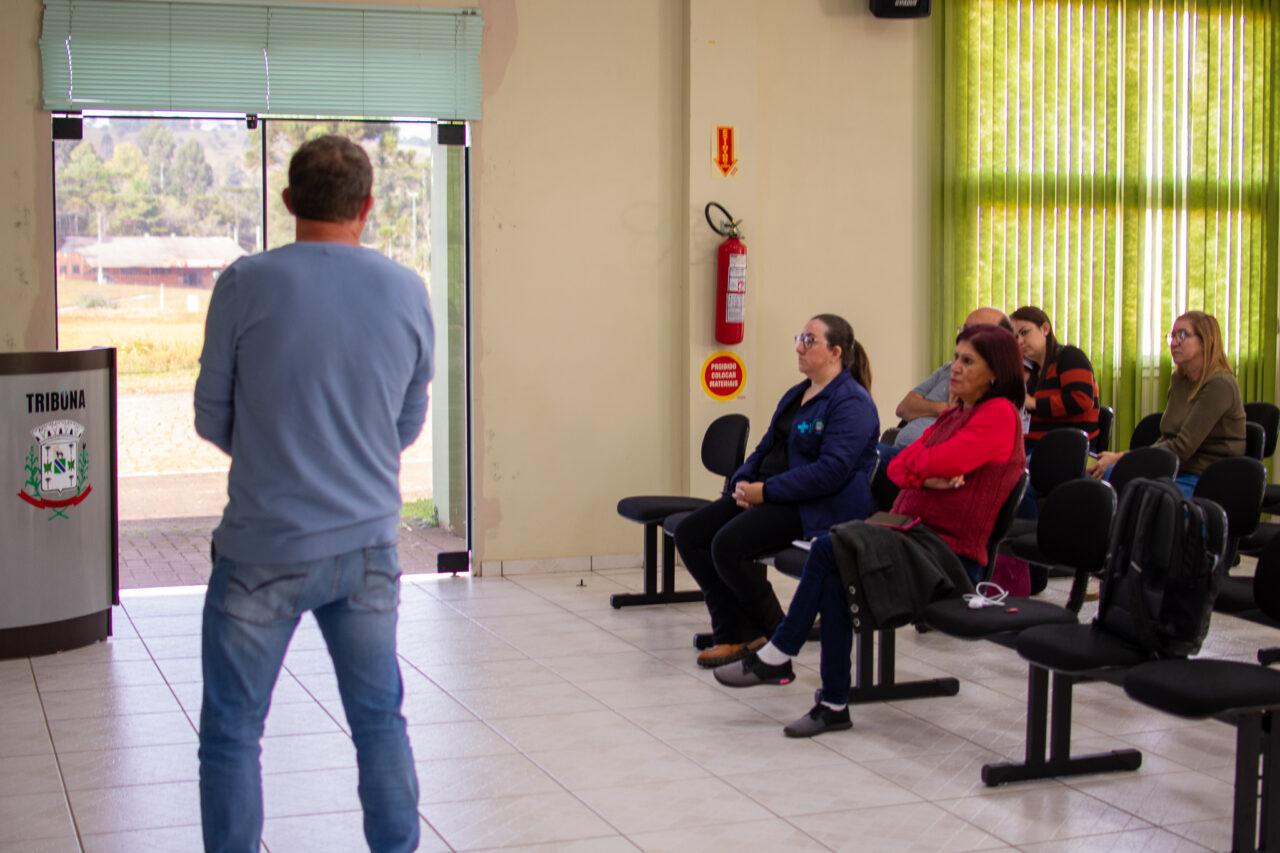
(984, 444)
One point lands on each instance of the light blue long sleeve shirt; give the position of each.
(313, 377)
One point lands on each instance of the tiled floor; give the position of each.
(542, 719)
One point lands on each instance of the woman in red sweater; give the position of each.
(953, 480)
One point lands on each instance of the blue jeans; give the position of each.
(1187, 484)
(820, 591)
(250, 613)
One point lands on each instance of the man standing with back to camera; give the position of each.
(313, 378)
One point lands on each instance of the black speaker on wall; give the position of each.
(900, 8)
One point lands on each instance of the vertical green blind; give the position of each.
(1115, 163)
(261, 58)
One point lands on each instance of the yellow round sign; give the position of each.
(723, 375)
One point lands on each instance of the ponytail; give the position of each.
(861, 366)
(852, 356)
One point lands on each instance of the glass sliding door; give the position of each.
(149, 210)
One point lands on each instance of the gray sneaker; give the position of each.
(751, 671)
(819, 719)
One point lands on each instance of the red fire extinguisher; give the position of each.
(731, 278)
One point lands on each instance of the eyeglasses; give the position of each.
(806, 340)
(1180, 335)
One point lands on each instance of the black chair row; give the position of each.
(1061, 652)
(1261, 422)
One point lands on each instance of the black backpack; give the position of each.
(1163, 568)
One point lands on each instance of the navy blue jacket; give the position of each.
(831, 454)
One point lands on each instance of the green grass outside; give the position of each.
(157, 346)
(419, 513)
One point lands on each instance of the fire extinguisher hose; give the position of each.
(727, 228)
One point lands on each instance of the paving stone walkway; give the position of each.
(175, 551)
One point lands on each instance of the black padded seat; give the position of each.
(724, 446)
(1267, 416)
(1241, 595)
(1235, 595)
(1074, 535)
(790, 561)
(1021, 527)
(656, 508)
(1077, 648)
(1061, 456)
(1219, 686)
(1256, 542)
(954, 617)
(1255, 440)
(1106, 421)
(1243, 695)
(1146, 432)
(671, 523)
(1236, 484)
(1258, 615)
(1149, 462)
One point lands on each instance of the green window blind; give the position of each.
(261, 58)
(1115, 162)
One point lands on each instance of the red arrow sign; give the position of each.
(724, 158)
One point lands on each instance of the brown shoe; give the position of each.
(724, 653)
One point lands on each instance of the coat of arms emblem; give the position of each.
(57, 468)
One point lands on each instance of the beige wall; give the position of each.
(26, 188)
(593, 265)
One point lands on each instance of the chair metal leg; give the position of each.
(1269, 826)
(1244, 812)
(866, 687)
(651, 594)
(1060, 761)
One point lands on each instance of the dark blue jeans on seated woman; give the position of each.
(822, 592)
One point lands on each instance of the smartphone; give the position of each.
(894, 520)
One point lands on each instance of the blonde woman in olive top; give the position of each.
(1204, 418)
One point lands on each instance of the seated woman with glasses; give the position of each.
(862, 575)
(811, 469)
(1204, 417)
(1062, 391)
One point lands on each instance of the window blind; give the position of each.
(261, 58)
(1115, 164)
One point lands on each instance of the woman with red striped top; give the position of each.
(1062, 391)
